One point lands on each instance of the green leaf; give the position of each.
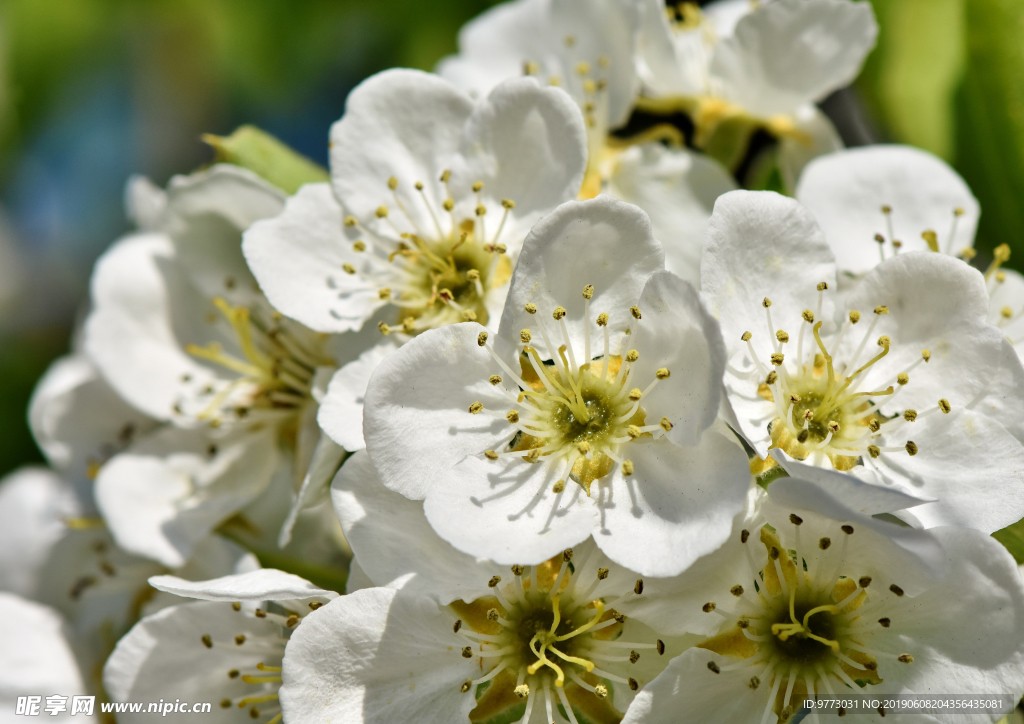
(261, 153)
(1012, 538)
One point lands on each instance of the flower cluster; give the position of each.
(597, 436)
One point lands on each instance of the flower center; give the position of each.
(578, 417)
(800, 626)
(278, 362)
(546, 633)
(436, 274)
(819, 409)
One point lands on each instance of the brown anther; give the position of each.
(885, 622)
(418, 185)
(744, 536)
(824, 543)
(871, 665)
(639, 587)
(896, 589)
(512, 416)
(239, 639)
(772, 378)
(945, 406)
(481, 339)
(635, 311)
(634, 656)
(567, 555)
(234, 674)
(259, 613)
(660, 647)
(910, 415)
(778, 358)
(291, 621)
(782, 335)
(632, 355)
(709, 607)
(662, 373)
(802, 436)
(746, 336)
(736, 590)
(627, 468)
(476, 408)
(314, 605)
(495, 580)
(848, 529)
(714, 667)
(886, 209)
(808, 316)
(754, 682)
(467, 652)
(911, 447)
(874, 451)
(602, 573)
(348, 268)
(874, 426)
(905, 659)
(500, 248)
(358, 246)
(602, 319)
(774, 553)
(633, 685)
(558, 313)
(525, 335)
(466, 686)
(795, 519)
(490, 454)
(225, 703)
(207, 641)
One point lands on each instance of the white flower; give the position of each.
(464, 634)
(810, 599)
(522, 446)
(901, 382)
(226, 649)
(39, 660)
(877, 201)
(587, 47)
(765, 71)
(181, 331)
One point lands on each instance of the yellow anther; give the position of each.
(833, 426)
(348, 268)
(494, 379)
(602, 319)
(632, 355)
(873, 451)
(854, 316)
(1001, 254)
(911, 448)
(627, 470)
(778, 358)
(666, 424)
(886, 209)
(490, 454)
(746, 336)
(350, 221)
(874, 426)
(945, 406)
(525, 336)
(409, 325)
(384, 293)
(468, 315)
(530, 68)
(808, 316)
(782, 336)
(481, 339)
(558, 313)
(478, 185)
(662, 373)
(902, 378)
(473, 275)
(601, 691)
(522, 691)
(1006, 312)
(448, 204)
(358, 246)
(905, 659)
(558, 487)
(794, 398)
(1000, 275)
(822, 286)
(446, 176)
(583, 67)
(508, 204)
(570, 41)
(635, 394)
(633, 431)
(419, 185)
(879, 238)
(635, 311)
(512, 416)
(884, 341)
(583, 447)
(530, 308)
(381, 212)
(480, 210)
(881, 309)
(926, 355)
(772, 378)
(500, 248)
(392, 183)
(383, 328)
(476, 408)
(910, 415)
(967, 253)
(766, 303)
(493, 583)
(931, 238)
(588, 291)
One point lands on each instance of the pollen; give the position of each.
(525, 336)
(635, 311)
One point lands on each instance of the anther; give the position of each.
(778, 358)
(633, 685)
(602, 319)
(744, 536)
(291, 621)
(1000, 275)
(782, 336)
(508, 204)
(457, 625)
(886, 209)
(530, 308)
(659, 645)
(754, 682)
(635, 311)
(931, 238)
(492, 614)
(601, 691)
(905, 659)
(558, 313)
(746, 336)
(634, 431)
(525, 336)
(774, 553)
(583, 447)
(833, 426)
(824, 543)
(896, 589)
(490, 454)
(466, 686)
(808, 316)
(478, 186)
(902, 378)
(874, 451)
(494, 379)
(446, 176)
(639, 587)
(348, 268)
(350, 221)
(480, 210)
(885, 622)
(512, 416)
(714, 667)
(945, 406)
(881, 309)
(910, 415)
(632, 355)
(635, 394)
(522, 691)
(602, 573)
(381, 212)
(384, 293)
(911, 448)
(409, 325)
(493, 583)
(448, 204)
(476, 408)
(854, 316)
(1006, 312)
(874, 426)
(358, 246)
(234, 674)
(567, 555)
(864, 581)
(558, 487)
(314, 605)
(802, 436)
(709, 607)
(467, 652)
(772, 378)
(239, 639)
(225, 703)
(392, 183)
(384, 328)
(259, 613)
(795, 520)
(236, 606)
(766, 302)
(848, 529)
(884, 341)
(795, 398)
(822, 286)
(207, 641)
(666, 424)
(481, 339)
(662, 373)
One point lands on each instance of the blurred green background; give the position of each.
(92, 91)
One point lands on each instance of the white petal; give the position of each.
(416, 420)
(669, 62)
(327, 458)
(677, 189)
(35, 505)
(38, 658)
(77, 419)
(792, 52)
(604, 242)
(677, 506)
(847, 190)
(341, 412)
(266, 584)
(391, 658)
(391, 539)
(167, 492)
(816, 137)
(213, 557)
(145, 203)
(506, 511)
(688, 692)
(297, 259)
(357, 580)
(676, 332)
(163, 657)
